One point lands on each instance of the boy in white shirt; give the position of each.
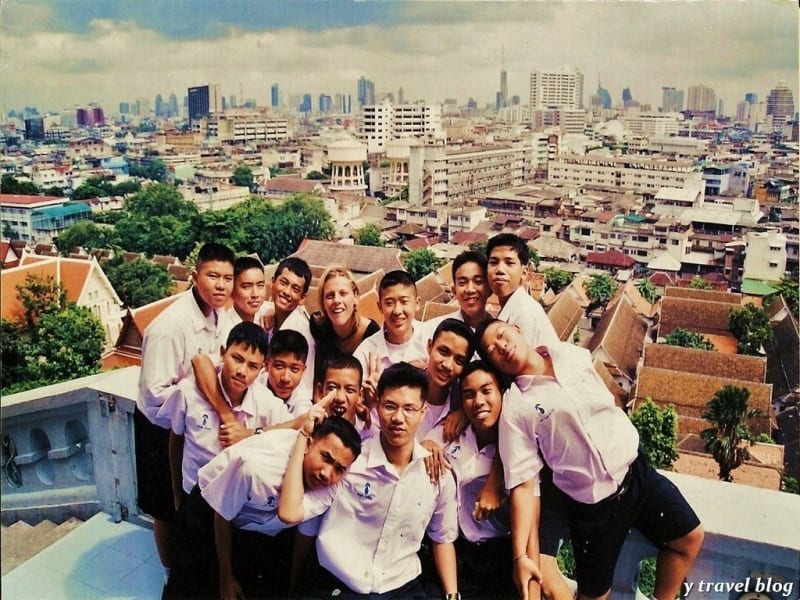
(369, 538)
(189, 325)
(484, 544)
(507, 269)
(402, 337)
(248, 547)
(558, 411)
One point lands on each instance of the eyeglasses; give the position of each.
(408, 411)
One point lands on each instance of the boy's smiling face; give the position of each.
(398, 304)
(284, 373)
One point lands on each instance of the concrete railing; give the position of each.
(74, 456)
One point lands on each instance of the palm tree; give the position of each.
(730, 437)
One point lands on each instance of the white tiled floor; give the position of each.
(100, 560)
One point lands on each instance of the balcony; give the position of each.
(75, 457)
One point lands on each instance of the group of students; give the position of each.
(282, 454)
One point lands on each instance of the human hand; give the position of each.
(489, 499)
(435, 462)
(454, 425)
(232, 432)
(371, 378)
(525, 571)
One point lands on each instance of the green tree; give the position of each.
(698, 283)
(479, 247)
(10, 185)
(54, 191)
(225, 227)
(93, 187)
(729, 438)
(688, 339)
(369, 235)
(750, 326)
(138, 282)
(159, 221)
(243, 176)
(150, 168)
(276, 232)
(647, 290)
(15, 348)
(9, 232)
(788, 288)
(86, 235)
(421, 262)
(40, 295)
(67, 344)
(557, 279)
(316, 175)
(658, 433)
(600, 289)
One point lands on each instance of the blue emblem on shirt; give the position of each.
(271, 502)
(204, 423)
(366, 493)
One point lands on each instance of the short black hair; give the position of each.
(513, 241)
(213, 251)
(297, 266)
(481, 365)
(245, 263)
(469, 256)
(455, 326)
(289, 341)
(250, 335)
(396, 277)
(341, 361)
(403, 374)
(480, 331)
(343, 429)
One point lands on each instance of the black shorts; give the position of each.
(647, 501)
(553, 524)
(485, 568)
(153, 478)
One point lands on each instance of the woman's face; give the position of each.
(339, 300)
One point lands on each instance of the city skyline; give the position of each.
(59, 53)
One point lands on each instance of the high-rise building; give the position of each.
(671, 99)
(159, 105)
(401, 97)
(701, 98)
(34, 128)
(780, 104)
(305, 105)
(603, 96)
(751, 97)
(204, 100)
(366, 91)
(325, 103)
(173, 105)
(274, 96)
(124, 108)
(556, 89)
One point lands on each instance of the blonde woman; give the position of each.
(338, 328)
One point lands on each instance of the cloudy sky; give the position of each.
(58, 53)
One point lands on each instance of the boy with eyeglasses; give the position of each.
(385, 505)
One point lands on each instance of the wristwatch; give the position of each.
(258, 430)
(452, 596)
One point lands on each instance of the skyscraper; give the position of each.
(198, 103)
(502, 99)
(274, 96)
(366, 91)
(701, 98)
(780, 103)
(671, 99)
(556, 89)
(203, 100)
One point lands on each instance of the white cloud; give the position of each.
(735, 47)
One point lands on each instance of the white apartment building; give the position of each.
(441, 175)
(387, 121)
(639, 174)
(215, 196)
(464, 219)
(677, 146)
(245, 127)
(671, 202)
(556, 89)
(765, 259)
(701, 97)
(653, 124)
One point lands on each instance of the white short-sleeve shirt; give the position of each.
(470, 465)
(370, 536)
(243, 482)
(415, 349)
(170, 342)
(193, 417)
(571, 418)
(527, 314)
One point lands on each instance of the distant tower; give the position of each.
(274, 96)
(701, 98)
(627, 97)
(671, 99)
(556, 89)
(401, 97)
(503, 100)
(199, 104)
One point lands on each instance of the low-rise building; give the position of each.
(38, 219)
